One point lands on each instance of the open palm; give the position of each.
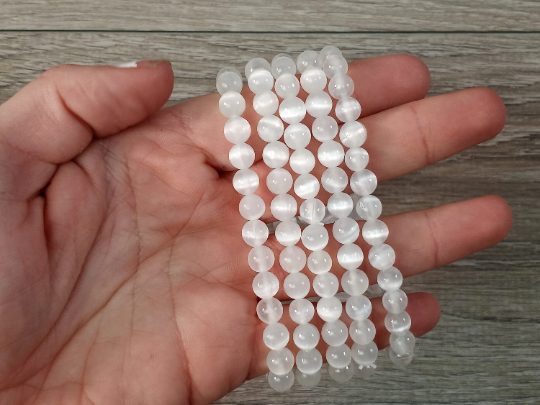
(124, 277)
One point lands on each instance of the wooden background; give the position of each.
(486, 348)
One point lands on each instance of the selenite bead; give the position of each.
(338, 356)
(319, 262)
(307, 380)
(345, 230)
(283, 207)
(356, 159)
(306, 185)
(260, 81)
(340, 205)
(330, 153)
(297, 136)
(270, 128)
(348, 109)
(276, 336)
(281, 383)
(390, 279)
(366, 371)
(324, 128)
(265, 285)
(279, 181)
(312, 211)
(350, 256)
(280, 361)
(237, 130)
(313, 79)
(232, 104)
(306, 59)
(318, 104)
(261, 258)
(287, 85)
(242, 156)
(382, 256)
(353, 134)
(355, 282)
(363, 182)
(256, 63)
(255, 232)
(315, 237)
(251, 207)
(281, 64)
(334, 180)
(341, 86)
(335, 65)
(302, 311)
(288, 233)
(245, 181)
(302, 161)
(335, 333)
(292, 259)
(265, 103)
(329, 308)
(403, 344)
(398, 360)
(365, 354)
(275, 154)
(341, 375)
(292, 110)
(325, 52)
(358, 307)
(269, 310)
(296, 285)
(374, 232)
(362, 332)
(398, 324)
(369, 207)
(326, 284)
(228, 79)
(309, 361)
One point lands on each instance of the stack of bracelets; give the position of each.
(315, 69)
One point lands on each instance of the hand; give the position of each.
(124, 277)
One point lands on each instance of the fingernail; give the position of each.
(128, 65)
(151, 63)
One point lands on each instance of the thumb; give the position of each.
(52, 119)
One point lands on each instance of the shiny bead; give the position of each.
(307, 380)
(319, 262)
(350, 256)
(365, 372)
(346, 230)
(237, 130)
(335, 333)
(318, 104)
(276, 336)
(334, 180)
(326, 284)
(280, 362)
(335, 65)
(369, 207)
(355, 282)
(353, 134)
(292, 110)
(287, 85)
(398, 324)
(398, 360)
(296, 285)
(363, 182)
(232, 104)
(390, 279)
(275, 154)
(283, 207)
(338, 356)
(358, 307)
(255, 232)
(366, 354)
(302, 161)
(315, 237)
(330, 153)
(279, 181)
(403, 344)
(341, 86)
(260, 81)
(281, 383)
(281, 64)
(341, 375)
(265, 285)
(270, 128)
(312, 211)
(340, 205)
(251, 207)
(382, 256)
(261, 258)
(288, 233)
(265, 103)
(309, 361)
(301, 311)
(242, 156)
(356, 159)
(324, 128)
(306, 59)
(256, 63)
(245, 181)
(269, 310)
(228, 79)
(325, 52)
(329, 308)
(374, 232)
(313, 79)
(297, 136)
(306, 185)
(348, 109)
(293, 259)
(362, 332)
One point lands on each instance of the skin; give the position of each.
(124, 278)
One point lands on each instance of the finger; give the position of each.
(52, 119)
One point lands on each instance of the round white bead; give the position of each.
(306, 185)
(251, 207)
(280, 362)
(338, 356)
(228, 79)
(281, 64)
(245, 181)
(335, 333)
(296, 285)
(288, 233)
(353, 134)
(242, 156)
(350, 256)
(382, 256)
(301, 311)
(265, 103)
(270, 128)
(232, 104)
(261, 258)
(279, 181)
(287, 85)
(269, 310)
(398, 324)
(348, 109)
(283, 207)
(256, 63)
(325, 284)
(346, 230)
(313, 79)
(335, 65)
(330, 153)
(260, 81)
(369, 207)
(275, 154)
(334, 180)
(329, 308)
(356, 159)
(363, 182)
(362, 332)
(292, 110)
(315, 237)
(302, 161)
(374, 232)
(326, 52)
(237, 130)
(255, 232)
(307, 380)
(358, 307)
(319, 262)
(318, 104)
(306, 336)
(276, 336)
(292, 259)
(281, 383)
(341, 375)
(297, 136)
(306, 59)
(324, 128)
(265, 285)
(390, 279)
(309, 361)
(403, 345)
(365, 371)
(340, 205)
(355, 282)
(366, 354)
(395, 301)
(312, 211)
(341, 86)
(400, 361)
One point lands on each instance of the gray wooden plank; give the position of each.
(272, 16)
(486, 349)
